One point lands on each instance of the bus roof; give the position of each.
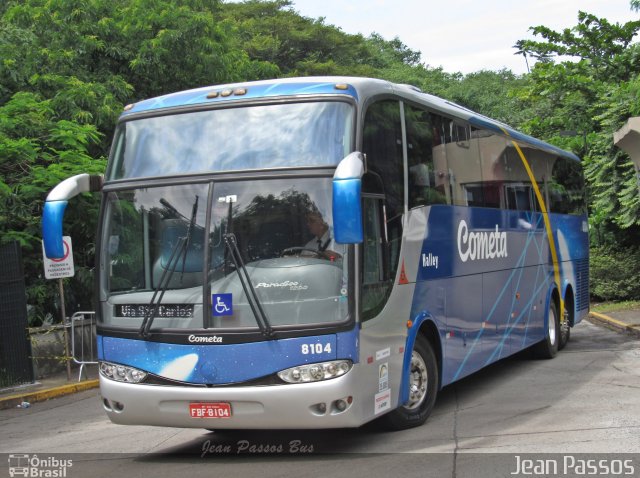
(360, 89)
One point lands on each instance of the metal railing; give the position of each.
(83, 339)
(16, 367)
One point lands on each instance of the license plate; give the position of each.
(210, 410)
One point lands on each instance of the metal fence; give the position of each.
(83, 340)
(15, 349)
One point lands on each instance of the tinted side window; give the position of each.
(506, 182)
(382, 143)
(566, 187)
(375, 286)
(427, 183)
(495, 169)
(464, 165)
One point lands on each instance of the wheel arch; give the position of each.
(424, 325)
(552, 295)
(569, 302)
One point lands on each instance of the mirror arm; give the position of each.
(54, 208)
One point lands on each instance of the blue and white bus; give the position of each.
(322, 252)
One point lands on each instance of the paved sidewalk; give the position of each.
(49, 387)
(622, 320)
(627, 321)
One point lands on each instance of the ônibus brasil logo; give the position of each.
(35, 466)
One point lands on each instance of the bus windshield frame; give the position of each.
(315, 132)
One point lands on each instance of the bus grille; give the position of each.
(582, 285)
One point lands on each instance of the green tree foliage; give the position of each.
(273, 33)
(67, 67)
(604, 45)
(579, 102)
(492, 93)
(583, 88)
(38, 149)
(615, 274)
(611, 174)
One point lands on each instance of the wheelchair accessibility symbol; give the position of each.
(222, 304)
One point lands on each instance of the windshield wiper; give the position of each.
(180, 249)
(162, 286)
(192, 224)
(247, 286)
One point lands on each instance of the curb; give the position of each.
(12, 401)
(615, 324)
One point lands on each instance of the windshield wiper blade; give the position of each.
(162, 286)
(192, 223)
(247, 286)
(180, 249)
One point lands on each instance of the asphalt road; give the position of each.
(585, 401)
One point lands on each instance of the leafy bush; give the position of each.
(615, 274)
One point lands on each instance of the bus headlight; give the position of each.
(121, 373)
(315, 372)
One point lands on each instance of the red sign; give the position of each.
(59, 268)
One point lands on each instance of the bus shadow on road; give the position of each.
(516, 395)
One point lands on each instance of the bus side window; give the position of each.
(375, 286)
(427, 183)
(463, 159)
(382, 144)
(496, 167)
(566, 188)
(519, 194)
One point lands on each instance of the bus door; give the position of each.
(383, 331)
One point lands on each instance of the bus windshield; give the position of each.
(156, 243)
(232, 139)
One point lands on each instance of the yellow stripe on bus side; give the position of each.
(547, 224)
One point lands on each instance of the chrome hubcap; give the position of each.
(552, 326)
(417, 381)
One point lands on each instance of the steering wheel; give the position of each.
(297, 251)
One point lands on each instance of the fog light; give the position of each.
(319, 409)
(341, 405)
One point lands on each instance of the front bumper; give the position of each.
(291, 406)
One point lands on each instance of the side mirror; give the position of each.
(54, 208)
(347, 204)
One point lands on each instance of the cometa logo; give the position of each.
(475, 246)
(206, 339)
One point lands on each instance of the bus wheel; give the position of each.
(548, 347)
(565, 329)
(423, 388)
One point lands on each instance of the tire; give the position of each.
(423, 384)
(548, 347)
(565, 329)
